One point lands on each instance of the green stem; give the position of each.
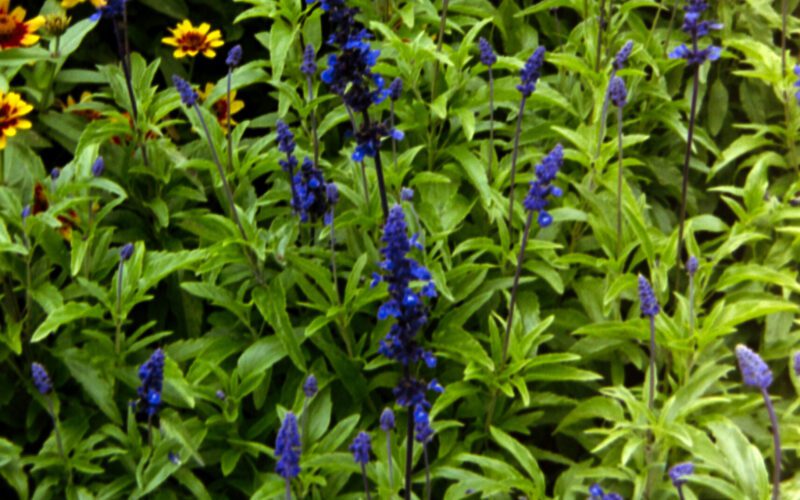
(514, 287)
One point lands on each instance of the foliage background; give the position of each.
(572, 408)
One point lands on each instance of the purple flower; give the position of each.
(595, 492)
(691, 265)
(126, 252)
(98, 166)
(220, 394)
(310, 193)
(612, 496)
(696, 29)
(286, 145)
(422, 424)
(361, 448)
(309, 64)
(541, 188)
(406, 194)
(797, 83)
(185, 90)
(26, 212)
(55, 173)
(488, 57)
(310, 387)
(530, 72)
(349, 73)
(755, 371)
(151, 375)
(174, 458)
(332, 193)
(622, 56)
(396, 88)
(369, 137)
(617, 92)
(387, 420)
(797, 364)
(679, 472)
(112, 9)
(234, 56)
(287, 448)
(41, 380)
(647, 298)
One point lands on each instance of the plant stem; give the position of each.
(394, 142)
(680, 492)
(409, 445)
(427, 472)
(366, 481)
(333, 255)
(122, 48)
(118, 335)
(59, 442)
(304, 424)
(517, 273)
(514, 154)
(228, 130)
(651, 397)
(288, 489)
(389, 459)
(685, 181)
(379, 172)
(691, 305)
(313, 117)
(439, 42)
(776, 438)
(491, 123)
(784, 23)
(601, 21)
(619, 182)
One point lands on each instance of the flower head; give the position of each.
(151, 375)
(617, 93)
(696, 29)
(286, 143)
(647, 298)
(56, 24)
(679, 472)
(98, 166)
(422, 424)
(797, 83)
(595, 492)
(332, 192)
(755, 371)
(691, 265)
(55, 173)
(190, 41)
(220, 394)
(12, 111)
(174, 458)
(26, 212)
(310, 386)
(185, 90)
(310, 193)
(369, 137)
(309, 64)
(41, 379)
(530, 72)
(622, 56)
(406, 194)
(361, 448)
(387, 419)
(126, 252)
(488, 56)
(287, 448)
(234, 56)
(541, 188)
(15, 31)
(396, 88)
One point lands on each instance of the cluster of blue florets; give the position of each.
(755, 372)
(369, 137)
(151, 375)
(287, 448)
(696, 29)
(617, 93)
(530, 73)
(313, 198)
(542, 188)
(647, 298)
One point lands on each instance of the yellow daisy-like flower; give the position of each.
(68, 4)
(15, 31)
(220, 106)
(191, 41)
(12, 109)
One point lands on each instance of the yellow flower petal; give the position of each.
(36, 23)
(203, 28)
(3, 5)
(11, 131)
(214, 35)
(179, 53)
(218, 43)
(236, 106)
(18, 14)
(23, 124)
(29, 40)
(169, 41)
(209, 53)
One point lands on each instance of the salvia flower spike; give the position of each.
(529, 76)
(185, 91)
(796, 364)
(125, 253)
(287, 449)
(361, 449)
(679, 473)
(618, 95)
(595, 492)
(622, 56)
(488, 58)
(650, 308)
(98, 167)
(797, 83)
(43, 384)
(310, 386)
(151, 376)
(756, 373)
(234, 57)
(387, 425)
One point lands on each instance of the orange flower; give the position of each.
(12, 109)
(191, 41)
(14, 30)
(220, 106)
(88, 114)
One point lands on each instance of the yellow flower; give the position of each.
(12, 109)
(14, 30)
(192, 41)
(220, 106)
(57, 24)
(68, 4)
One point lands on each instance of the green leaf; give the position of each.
(271, 302)
(65, 314)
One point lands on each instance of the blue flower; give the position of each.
(797, 364)
(622, 56)
(310, 193)
(220, 394)
(151, 375)
(55, 173)
(396, 88)
(406, 194)
(361, 448)
(26, 212)
(287, 447)
(596, 492)
(387, 419)
(617, 92)
(310, 386)
(696, 29)
(691, 265)
(98, 166)
(422, 424)
(488, 57)
(679, 472)
(185, 90)
(174, 458)
(286, 145)
(530, 72)
(369, 137)
(234, 56)
(541, 187)
(126, 252)
(612, 496)
(797, 83)
(755, 371)
(309, 64)
(41, 379)
(647, 298)
(112, 9)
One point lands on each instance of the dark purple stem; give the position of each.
(389, 456)
(517, 273)
(427, 472)
(601, 21)
(685, 181)
(228, 129)
(491, 122)
(680, 492)
(776, 438)
(366, 482)
(652, 395)
(379, 172)
(288, 488)
(394, 142)
(619, 182)
(409, 445)
(514, 154)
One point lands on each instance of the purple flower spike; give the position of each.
(617, 92)
(488, 56)
(287, 448)
(361, 448)
(691, 265)
(622, 56)
(185, 90)
(542, 188)
(755, 372)
(647, 298)
(309, 64)
(234, 56)
(679, 472)
(387, 420)
(98, 167)
(41, 379)
(531, 72)
(310, 386)
(151, 375)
